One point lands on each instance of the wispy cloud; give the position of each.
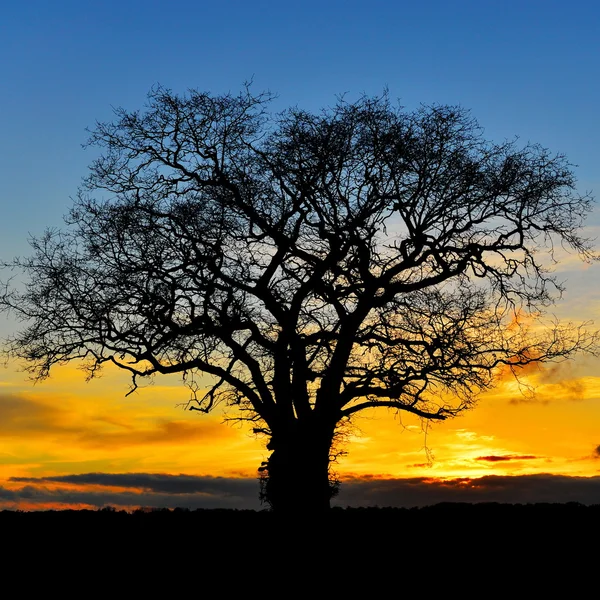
(162, 432)
(22, 416)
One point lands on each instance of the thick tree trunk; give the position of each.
(296, 475)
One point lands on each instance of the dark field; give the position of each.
(450, 520)
(474, 550)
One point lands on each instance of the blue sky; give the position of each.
(527, 68)
(524, 67)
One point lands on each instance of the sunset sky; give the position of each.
(525, 68)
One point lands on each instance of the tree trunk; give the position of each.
(295, 478)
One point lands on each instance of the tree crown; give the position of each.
(312, 264)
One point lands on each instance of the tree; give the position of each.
(312, 265)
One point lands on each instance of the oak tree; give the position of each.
(308, 266)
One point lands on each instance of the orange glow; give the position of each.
(547, 422)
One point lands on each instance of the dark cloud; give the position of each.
(149, 482)
(596, 452)
(491, 488)
(10, 495)
(67, 498)
(140, 489)
(505, 457)
(188, 491)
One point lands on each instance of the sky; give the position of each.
(524, 68)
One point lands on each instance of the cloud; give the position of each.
(471, 436)
(150, 482)
(422, 491)
(138, 489)
(529, 398)
(164, 432)
(563, 381)
(10, 495)
(506, 457)
(21, 415)
(596, 452)
(191, 491)
(43, 498)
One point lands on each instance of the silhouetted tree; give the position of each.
(314, 265)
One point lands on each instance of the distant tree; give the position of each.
(314, 265)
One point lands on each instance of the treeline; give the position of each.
(443, 514)
(453, 537)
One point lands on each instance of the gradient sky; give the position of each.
(528, 68)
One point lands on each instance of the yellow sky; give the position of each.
(67, 426)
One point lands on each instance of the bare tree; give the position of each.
(313, 265)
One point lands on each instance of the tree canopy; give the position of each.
(313, 265)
